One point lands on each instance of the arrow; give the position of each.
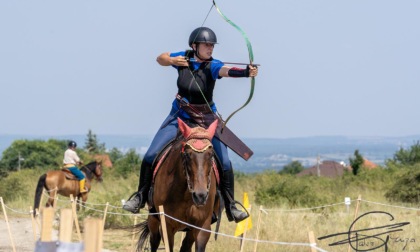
(226, 63)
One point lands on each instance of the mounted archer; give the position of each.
(197, 75)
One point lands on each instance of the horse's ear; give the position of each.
(212, 128)
(184, 128)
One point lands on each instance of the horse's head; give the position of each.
(198, 159)
(98, 171)
(95, 168)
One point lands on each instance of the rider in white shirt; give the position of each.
(70, 161)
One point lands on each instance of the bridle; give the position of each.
(198, 145)
(91, 170)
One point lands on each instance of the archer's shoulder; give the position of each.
(175, 54)
(217, 63)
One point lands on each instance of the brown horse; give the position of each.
(185, 185)
(56, 182)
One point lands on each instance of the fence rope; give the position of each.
(313, 245)
(388, 205)
(114, 213)
(247, 239)
(86, 203)
(302, 209)
(18, 211)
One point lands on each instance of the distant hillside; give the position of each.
(268, 153)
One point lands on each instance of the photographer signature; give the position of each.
(370, 238)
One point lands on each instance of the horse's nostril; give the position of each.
(200, 198)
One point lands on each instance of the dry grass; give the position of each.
(280, 225)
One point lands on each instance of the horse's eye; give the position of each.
(187, 155)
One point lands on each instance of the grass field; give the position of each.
(281, 227)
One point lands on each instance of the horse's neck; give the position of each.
(88, 174)
(173, 169)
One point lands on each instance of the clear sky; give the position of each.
(328, 67)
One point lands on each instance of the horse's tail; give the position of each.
(144, 231)
(38, 192)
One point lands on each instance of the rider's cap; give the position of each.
(202, 35)
(72, 144)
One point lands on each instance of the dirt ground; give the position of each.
(22, 235)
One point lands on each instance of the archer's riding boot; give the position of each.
(232, 212)
(82, 188)
(138, 199)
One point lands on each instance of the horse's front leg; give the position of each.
(187, 242)
(82, 198)
(171, 239)
(202, 237)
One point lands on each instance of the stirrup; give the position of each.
(132, 195)
(233, 203)
(134, 208)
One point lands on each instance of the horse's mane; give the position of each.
(89, 165)
(89, 169)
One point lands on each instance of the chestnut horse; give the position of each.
(185, 185)
(56, 182)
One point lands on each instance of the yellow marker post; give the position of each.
(247, 223)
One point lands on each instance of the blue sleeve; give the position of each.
(175, 54)
(216, 65)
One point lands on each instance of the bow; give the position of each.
(251, 59)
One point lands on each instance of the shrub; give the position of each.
(128, 164)
(290, 190)
(407, 187)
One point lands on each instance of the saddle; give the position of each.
(68, 174)
(204, 116)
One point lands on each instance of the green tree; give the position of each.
(410, 156)
(115, 154)
(23, 154)
(92, 145)
(128, 164)
(356, 162)
(293, 167)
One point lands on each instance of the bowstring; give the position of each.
(192, 75)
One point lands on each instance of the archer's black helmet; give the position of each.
(202, 35)
(72, 144)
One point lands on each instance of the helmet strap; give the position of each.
(196, 52)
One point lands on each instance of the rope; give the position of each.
(302, 209)
(312, 245)
(247, 239)
(382, 204)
